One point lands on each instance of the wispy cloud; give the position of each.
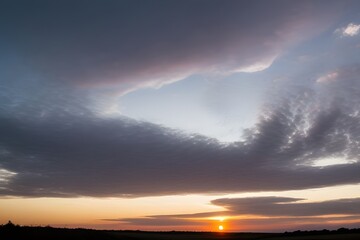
(272, 213)
(328, 77)
(257, 66)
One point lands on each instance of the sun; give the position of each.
(221, 227)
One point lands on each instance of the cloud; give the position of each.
(350, 30)
(280, 206)
(277, 224)
(120, 46)
(158, 221)
(124, 158)
(5, 176)
(71, 152)
(269, 224)
(271, 213)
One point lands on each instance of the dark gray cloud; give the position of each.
(70, 152)
(280, 206)
(139, 43)
(115, 157)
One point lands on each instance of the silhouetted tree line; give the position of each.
(324, 231)
(11, 231)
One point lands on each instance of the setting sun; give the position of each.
(221, 228)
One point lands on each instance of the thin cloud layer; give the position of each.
(273, 224)
(272, 213)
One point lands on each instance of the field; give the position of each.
(239, 236)
(13, 232)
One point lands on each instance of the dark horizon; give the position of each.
(35, 232)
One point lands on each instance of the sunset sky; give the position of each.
(179, 114)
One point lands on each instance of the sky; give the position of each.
(180, 115)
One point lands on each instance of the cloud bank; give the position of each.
(67, 152)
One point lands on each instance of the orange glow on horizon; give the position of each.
(90, 212)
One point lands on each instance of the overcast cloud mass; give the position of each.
(64, 64)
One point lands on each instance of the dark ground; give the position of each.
(14, 232)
